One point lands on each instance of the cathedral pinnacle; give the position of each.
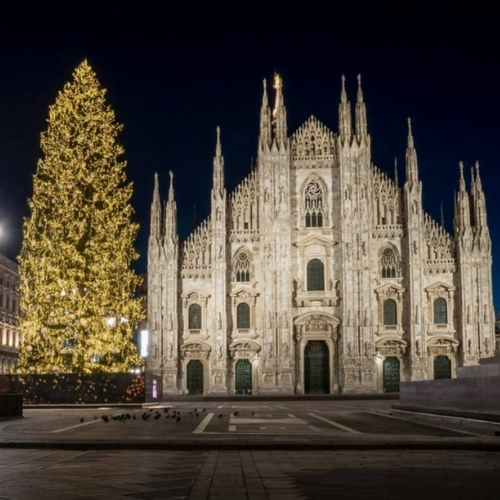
(361, 122)
(279, 114)
(156, 230)
(411, 158)
(218, 172)
(411, 144)
(171, 187)
(265, 122)
(344, 116)
(462, 180)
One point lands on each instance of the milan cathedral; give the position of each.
(318, 273)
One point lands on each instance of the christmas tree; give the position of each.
(76, 284)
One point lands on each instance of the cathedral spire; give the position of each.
(344, 116)
(396, 175)
(411, 159)
(156, 229)
(479, 203)
(462, 221)
(360, 116)
(218, 173)
(279, 114)
(171, 212)
(171, 197)
(265, 122)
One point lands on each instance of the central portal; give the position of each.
(316, 368)
(243, 377)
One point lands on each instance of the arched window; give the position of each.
(314, 205)
(243, 316)
(315, 275)
(389, 263)
(440, 311)
(241, 269)
(390, 312)
(194, 317)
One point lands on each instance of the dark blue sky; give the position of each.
(176, 71)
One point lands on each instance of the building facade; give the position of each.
(318, 273)
(9, 310)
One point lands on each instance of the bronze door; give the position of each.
(316, 368)
(243, 377)
(391, 374)
(442, 367)
(195, 377)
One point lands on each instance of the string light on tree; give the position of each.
(78, 242)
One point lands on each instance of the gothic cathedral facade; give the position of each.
(318, 273)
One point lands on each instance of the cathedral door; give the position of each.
(195, 377)
(243, 377)
(391, 374)
(316, 368)
(442, 367)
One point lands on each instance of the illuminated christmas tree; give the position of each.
(77, 287)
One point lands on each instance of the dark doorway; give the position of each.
(442, 367)
(391, 374)
(243, 377)
(316, 368)
(195, 377)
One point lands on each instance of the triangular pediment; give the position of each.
(195, 294)
(440, 285)
(246, 345)
(315, 240)
(312, 140)
(196, 345)
(244, 292)
(389, 289)
(443, 342)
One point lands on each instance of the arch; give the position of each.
(390, 312)
(313, 205)
(242, 265)
(315, 275)
(243, 315)
(194, 317)
(440, 310)
(389, 262)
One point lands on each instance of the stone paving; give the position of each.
(251, 451)
(251, 475)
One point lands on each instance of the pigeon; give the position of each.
(157, 416)
(204, 409)
(253, 413)
(235, 414)
(220, 416)
(105, 418)
(177, 419)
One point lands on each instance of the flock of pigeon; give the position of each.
(154, 415)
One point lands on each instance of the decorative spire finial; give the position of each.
(171, 188)
(410, 134)
(462, 180)
(343, 93)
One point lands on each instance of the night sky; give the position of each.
(174, 73)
